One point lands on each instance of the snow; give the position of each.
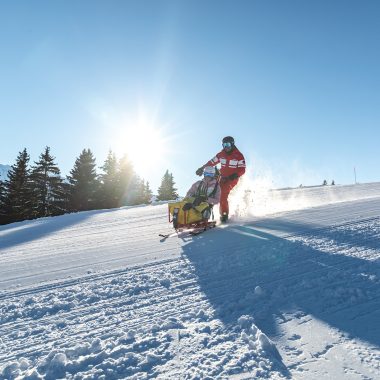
(289, 289)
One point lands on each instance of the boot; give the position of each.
(224, 217)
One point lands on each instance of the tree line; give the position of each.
(39, 190)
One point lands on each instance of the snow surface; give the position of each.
(289, 289)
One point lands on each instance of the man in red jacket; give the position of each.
(232, 167)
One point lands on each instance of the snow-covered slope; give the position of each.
(4, 172)
(284, 294)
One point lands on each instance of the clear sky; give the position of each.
(296, 82)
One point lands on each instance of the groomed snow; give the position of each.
(289, 289)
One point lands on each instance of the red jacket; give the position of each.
(232, 162)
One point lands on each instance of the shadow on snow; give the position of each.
(340, 290)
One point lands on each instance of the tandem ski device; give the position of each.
(194, 219)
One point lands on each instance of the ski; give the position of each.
(165, 236)
(200, 231)
(193, 232)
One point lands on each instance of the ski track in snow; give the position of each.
(99, 295)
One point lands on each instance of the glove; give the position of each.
(187, 206)
(233, 176)
(199, 171)
(198, 200)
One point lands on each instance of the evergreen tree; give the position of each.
(147, 193)
(2, 204)
(125, 178)
(47, 185)
(66, 196)
(139, 193)
(134, 195)
(108, 193)
(84, 183)
(167, 191)
(18, 190)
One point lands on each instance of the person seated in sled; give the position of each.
(199, 200)
(205, 190)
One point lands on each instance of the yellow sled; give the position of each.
(195, 218)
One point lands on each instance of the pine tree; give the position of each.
(2, 204)
(134, 195)
(84, 183)
(108, 193)
(66, 196)
(140, 192)
(18, 190)
(167, 191)
(125, 179)
(47, 186)
(147, 193)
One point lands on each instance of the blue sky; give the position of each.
(297, 83)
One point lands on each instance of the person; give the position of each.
(197, 205)
(232, 168)
(205, 190)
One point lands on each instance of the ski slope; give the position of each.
(289, 289)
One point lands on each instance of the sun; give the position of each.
(145, 145)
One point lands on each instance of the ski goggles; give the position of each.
(227, 145)
(208, 174)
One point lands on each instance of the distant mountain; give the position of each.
(4, 172)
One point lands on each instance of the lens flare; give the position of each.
(144, 142)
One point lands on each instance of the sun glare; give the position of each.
(145, 146)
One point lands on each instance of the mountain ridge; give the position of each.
(4, 169)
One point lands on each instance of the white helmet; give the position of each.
(209, 171)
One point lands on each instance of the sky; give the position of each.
(296, 83)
